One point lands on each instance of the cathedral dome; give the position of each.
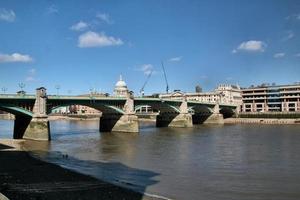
(120, 88)
(121, 83)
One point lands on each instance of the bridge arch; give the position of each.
(15, 110)
(227, 112)
(104, 108)
(200, 109)
(162, 108)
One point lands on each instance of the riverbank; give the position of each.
(261, 121)
(7, 116)
(25, 177)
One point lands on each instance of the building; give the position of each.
(121, 89)
(224, 93)
(231, 94)
(275, 98)
(80, 109)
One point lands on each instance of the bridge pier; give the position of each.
(38, 127)
(119, 123)
(216, 117)
(181, 120)
(127, 122)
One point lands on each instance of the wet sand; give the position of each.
(25, 177)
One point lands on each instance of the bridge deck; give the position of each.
(94, 98)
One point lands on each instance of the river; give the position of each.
(234, 162)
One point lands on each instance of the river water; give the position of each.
(234, 162)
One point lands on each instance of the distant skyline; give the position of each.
(83, 45)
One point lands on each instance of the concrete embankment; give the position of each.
(25, 177)
(7, 117)
(261, 121)
(73, 117)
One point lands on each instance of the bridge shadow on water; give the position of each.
(25, 177)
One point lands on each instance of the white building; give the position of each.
(121, 89)
(224, 93)
(231, 94)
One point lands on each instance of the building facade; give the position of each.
(224, 93)
(280, 98)
(230, 94)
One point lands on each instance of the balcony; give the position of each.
(254, 94)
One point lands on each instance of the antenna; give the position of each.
(147, 79)
(167, 88)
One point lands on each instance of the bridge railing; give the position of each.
(16, 96)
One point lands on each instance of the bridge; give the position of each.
(118, 113)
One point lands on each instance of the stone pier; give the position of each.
(38, 127)
(216, 117)
(119, 123)
(182, 119)
(127, 122)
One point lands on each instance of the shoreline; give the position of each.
(282, 121)
(23, 176)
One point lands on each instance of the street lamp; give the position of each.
(22, 85)
(4, 89)
(57, 87)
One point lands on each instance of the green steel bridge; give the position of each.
(118, 113)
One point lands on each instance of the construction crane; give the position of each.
(167, 88)
(147, 79)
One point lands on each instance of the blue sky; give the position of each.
(81, 45)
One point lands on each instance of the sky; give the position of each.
(78, 46)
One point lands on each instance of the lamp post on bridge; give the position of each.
(92, 92)
(4, 89)
(22, 86)
(57, 87)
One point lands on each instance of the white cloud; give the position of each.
(7, 15)
(251, 46)
(104, 17)
(279, 55)
(297, 55)
(175, 59)
(93, 39)
(15, 57)
(80, 26)
(146, 69)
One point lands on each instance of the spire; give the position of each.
(120, 77)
